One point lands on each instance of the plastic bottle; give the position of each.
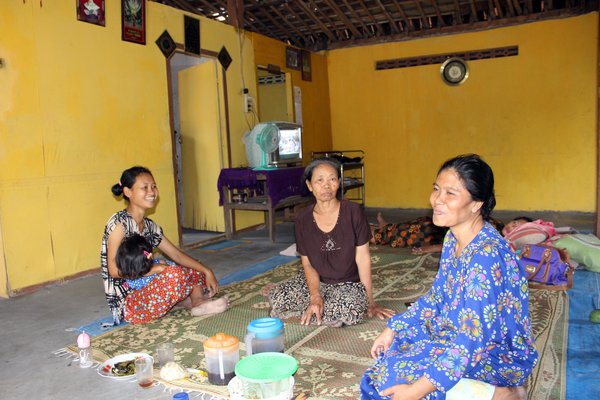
(181, 396)
(85, 350)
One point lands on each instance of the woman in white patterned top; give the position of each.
(189, 282)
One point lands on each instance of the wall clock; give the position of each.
(454, 71)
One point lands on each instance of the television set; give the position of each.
(289, 149)
(274, 144)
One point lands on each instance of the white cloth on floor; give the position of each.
(290, 251)
(471, 389)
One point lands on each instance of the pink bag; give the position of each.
(534, 232)
(547, 267)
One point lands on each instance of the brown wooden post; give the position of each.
(235, 9)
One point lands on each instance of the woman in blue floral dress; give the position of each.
(474, 322)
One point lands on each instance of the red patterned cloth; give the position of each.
(168, 288)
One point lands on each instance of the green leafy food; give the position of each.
(124, 368)
(595, 316)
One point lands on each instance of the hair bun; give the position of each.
(117, 189)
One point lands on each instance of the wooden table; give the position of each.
(266, 190)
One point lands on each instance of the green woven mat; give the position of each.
(331, 360)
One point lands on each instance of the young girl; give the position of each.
(134, 260)
(184, 282)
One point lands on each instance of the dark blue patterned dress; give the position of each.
(473, 323)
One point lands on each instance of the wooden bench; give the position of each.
(290, 205)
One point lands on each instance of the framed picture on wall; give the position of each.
(306, 68)
(292, 58)
(91, 11)
(133, 21)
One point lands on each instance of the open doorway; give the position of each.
(199, 137)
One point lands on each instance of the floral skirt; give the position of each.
(168, 288)
(344, 302)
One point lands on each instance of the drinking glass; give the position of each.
(165, 353)
(144, 371)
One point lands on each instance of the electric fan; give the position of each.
(260, 142)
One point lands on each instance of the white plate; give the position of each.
(117, 359)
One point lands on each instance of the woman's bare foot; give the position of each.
(211, 307)
(267, 289)
(373, 228)
(381, 221)
(432, 248)
(199, 295)
(185, 303)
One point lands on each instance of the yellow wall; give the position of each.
(315, 93)
(77, 106)
(316, 134)
(532, 117)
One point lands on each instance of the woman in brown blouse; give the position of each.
(332, 238)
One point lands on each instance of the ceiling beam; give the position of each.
(518, 8)
(275, 23)
(498, 8)
(441, 21)
(186, 6)
(457, 19)
(474, 27)
(375, 23)
(321, 25)
(474, 16)
(408, 22)
(252, 18)
(309, 29)
(344, 23)
(491, 12)
(423, 17)
(289, 24)
(389, 17)
(235, 13)
(340, 14)
(529, 4)
(511, 8)
(357, 18)
(333, 26)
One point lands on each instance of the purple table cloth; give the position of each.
(281, 182)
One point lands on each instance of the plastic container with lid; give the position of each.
(264, 335)
(222, 354)
(265, 376)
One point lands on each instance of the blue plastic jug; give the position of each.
(265, 335)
